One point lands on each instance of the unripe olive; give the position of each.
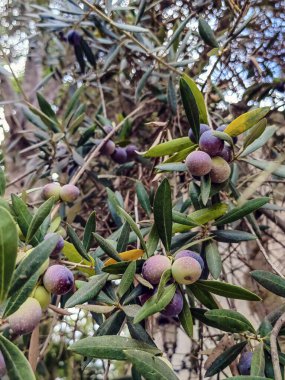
(194, 255)
(58, 247)
(186, 270)
(220, 171)
(3, 368)
(154, 267)
(198, 163)
(69, 193)
(51, 190)
(42, 296)
(61, 231)
(26, 318)
(58, 279)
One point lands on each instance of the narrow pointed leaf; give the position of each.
(270, 281)
(260, 141)
(205, 188)
(18, 367)
(46, 107)
(151, 306)
(150, 366)
(203, 296)
(162, 209)
(127, 279)
(246, 121)
(232, 236)
(166, 275)
(152, 241)
(169, 147)
(24, 218)
(19, 297)
(133, 226)
(123, 238)
(90, 227)
(241, 211)
(141, 9)
(255, 133)
(30, 264)
(190, 107)
(207, 34)
(258, 361)
(230, 321)
(2, 182)
(110, 347)
(227, 290)
(143, 197)
(88, 291)
(8, 250)
(77, 243)
(39, 217)
(213, 258)
(225, 359)
(279, 170)
(185, 318)
(107, 247)
(203, 116)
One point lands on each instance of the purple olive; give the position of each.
(210, 144)
(120, 155)
(107, 129)
(69, 193)
(175, 306)
(58, 247)
(73, 38)
(198, 163)
(245, 363)
(108, 148)
(203, 128)
(131, 152)
(58, 279)
(226, 153)
(186, 253)
(26, 318)
(154, 267)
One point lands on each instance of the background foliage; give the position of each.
(125, 71)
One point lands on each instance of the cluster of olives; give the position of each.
(117, 153)
(67, 193)
(55, 279)
(213, 158)
(186, 269)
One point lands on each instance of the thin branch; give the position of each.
(274, 349)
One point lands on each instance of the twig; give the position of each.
(274, 349)
(131, 37)
(267, 258)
